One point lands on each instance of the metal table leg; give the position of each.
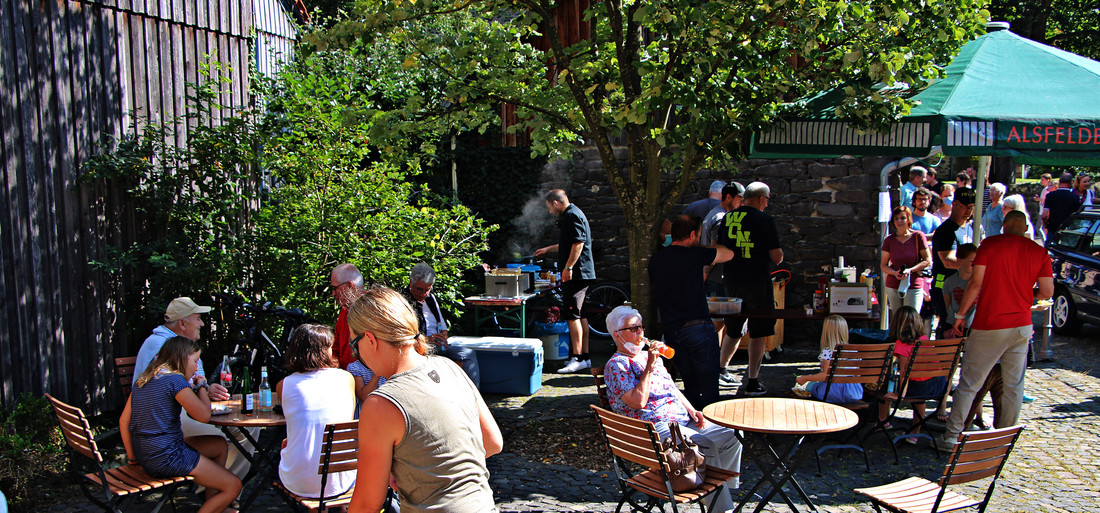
(260, 465)
(777, 472)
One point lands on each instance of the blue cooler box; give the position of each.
(511, 366)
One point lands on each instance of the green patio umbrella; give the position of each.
(1003, 95)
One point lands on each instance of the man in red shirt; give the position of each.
(347, 283)
(1006, 270)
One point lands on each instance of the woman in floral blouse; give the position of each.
(638, 386)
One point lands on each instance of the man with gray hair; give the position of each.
(752, 236)
(432, 325)
(700, 208)
(916, 179)
(346, 283)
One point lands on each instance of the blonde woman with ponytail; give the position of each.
(427, 431)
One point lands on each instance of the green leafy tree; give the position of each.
(1072, 25)
(685, 82)
(341, 197)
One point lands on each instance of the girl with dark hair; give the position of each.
(150, 425)
(906, 328)
(318, 393)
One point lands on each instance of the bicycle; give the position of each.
(253, 346)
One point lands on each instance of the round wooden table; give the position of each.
(264, 461)
(764, 416)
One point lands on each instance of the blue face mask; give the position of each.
(668, 240)
(948, 201)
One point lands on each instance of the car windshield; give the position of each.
(1073, 231)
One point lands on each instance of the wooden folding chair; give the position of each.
(601, 387)
(977, 455)
(636, 441)
(863, 364)
(930, 359)
(124, 372)
(107, 488)
(339, 453)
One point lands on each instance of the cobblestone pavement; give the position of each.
(1054, 467)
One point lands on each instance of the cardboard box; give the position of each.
(510, 366)
(851, 298)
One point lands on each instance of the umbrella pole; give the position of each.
(984, 164)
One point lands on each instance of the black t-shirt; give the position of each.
(945, 238)
(677, 276)
(574, 228)
(1061, 204)
(751, 235)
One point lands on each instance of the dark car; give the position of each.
(1075, 255)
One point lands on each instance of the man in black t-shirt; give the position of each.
(754, 240)
(1060, 204)
(578, 271)
(676, 273)
(950, 235)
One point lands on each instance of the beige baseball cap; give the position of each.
(182, 307)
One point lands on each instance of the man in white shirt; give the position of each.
(432, 325)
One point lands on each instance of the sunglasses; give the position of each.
(355, 345)
(635, 329)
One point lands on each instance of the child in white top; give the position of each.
(833, 333)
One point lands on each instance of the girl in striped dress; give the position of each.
(150, 426)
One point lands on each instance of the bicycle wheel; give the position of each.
(599, 301)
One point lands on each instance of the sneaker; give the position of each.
(728, 378)
(1028, 399)
(753, 388)
(575, 365)
(945, 444)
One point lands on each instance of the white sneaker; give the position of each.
(575, 365)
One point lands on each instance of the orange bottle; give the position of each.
(664, 350)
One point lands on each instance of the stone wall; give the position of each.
(823, 209)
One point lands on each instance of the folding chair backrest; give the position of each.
(78, 434)
(340, 448)
(124, 372)
(934, 358)
(630, 439)
(860, 363)
(980, 454)
(601, 387)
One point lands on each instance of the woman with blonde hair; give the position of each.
(833, 333)
(151, 432)
(428, 427)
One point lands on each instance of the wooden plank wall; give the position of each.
(71, 72)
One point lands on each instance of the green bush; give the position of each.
(31, 450)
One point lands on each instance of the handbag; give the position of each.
(687, 466)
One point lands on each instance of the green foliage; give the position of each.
(1067, 24)
(186, 208)
(684, 82)
(31, 448)
(344, 195)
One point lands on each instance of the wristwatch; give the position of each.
(960, 316)
(568, 268)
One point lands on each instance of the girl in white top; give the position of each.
(317, 393)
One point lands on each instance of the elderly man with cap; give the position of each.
(184, 318)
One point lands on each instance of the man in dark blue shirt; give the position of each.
(578, 271)
(676, 273)
(1060, 204)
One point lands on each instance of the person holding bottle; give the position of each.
(905, 255)
(317, 393)
(639, 386)
(678, 275)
